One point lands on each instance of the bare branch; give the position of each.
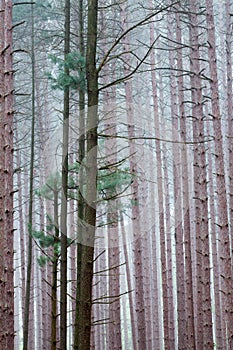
(99, 255)
(128, 31)
(128, 76)
(5, 49)
(23, 3)
(116, 297)
(109, 269)
(18, 24)
(211, 138)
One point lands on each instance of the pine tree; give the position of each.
(6, 172)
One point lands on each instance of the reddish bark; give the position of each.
(115, 342)
(137, 244)
(217, 301)
(151, 307)
(6, 189)
(187, 337)
(204, 305)
(21, 223)
(2, 182)
(177, 188)
(168, 334)
(229, 109)
(129, 284)
(156, 313)
(226, 283)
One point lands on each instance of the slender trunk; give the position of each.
(151, 307)
(73, 270)
(156, 314)
(63, 225)
(115, 341)
(167, 208)
(6, 172)
(97, 341)
(91, 181)
(31, 185)
(127, 344)
(137, 244)
(204, 306)
(2, 182)
(55, 257)
(81, 203)
(222, 219)
(38, 321)
(31, 326)
(186, 331)
(161, 208)
(214, 242)
(21, 226)
(114, 331)
(129, 284)
(44, 309)
(229, 109)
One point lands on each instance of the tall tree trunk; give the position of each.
(55, 258)
(6, 172)
(229, 109)
(129, 284)
(72, 269)
(157, 332)
(38, 320)
(31, 326)
(222, 218)
(214, 241)
(81, 202)
(21, 224)
(2, 183)
(169, 337)
(204, 306)
(91, 181)
(63, 225)
(186, 330)
(113, 229)
(137, 244)
(31, 185)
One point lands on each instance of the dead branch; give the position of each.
(103, 62)
(211, 138)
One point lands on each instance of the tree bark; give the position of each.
(222, 219)
(228, 8)
(63, 224)
(91, 181)
(81, 202)
(204, 305)
(55, 258)
(186, 327)
(6, 172)
(31, 189)
(160, 206)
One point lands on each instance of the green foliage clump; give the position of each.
(47, 190)
(42, 260)
(113, 182)
(44, 240)
(76, 79)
